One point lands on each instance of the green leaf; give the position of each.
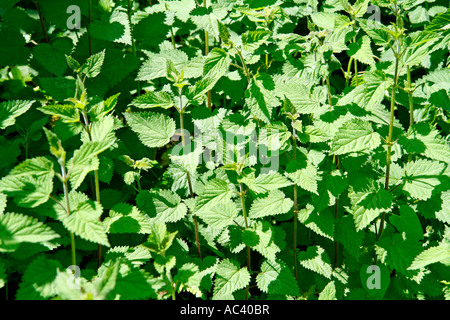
(229, 278)
(10, 110)
(161, 205)
(408, 222)
(84, 221)
(361, 51)
(367, 206)
(304, 177)
(439, 253)
(153, 129)
(214, 192)
(160, 239)
(424, 139)
(126, 218)
(324, 20)
(221, 215)
(267, 245)
(84, 218)
(273, 204)
(265, 182)
(84, 161)
(421, 177)
(317, 222)
(329, 292)
(38, 279)
(92, 67)
(66, 112)
(260, 100)
(29, 183)
(17, 228)
(276, 278)
(355, 135)
(317, 260)
(153, 100)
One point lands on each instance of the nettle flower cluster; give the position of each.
(233, 150)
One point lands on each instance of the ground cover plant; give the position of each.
(251, 149)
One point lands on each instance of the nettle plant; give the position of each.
(225, 149)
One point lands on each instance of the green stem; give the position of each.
(66, 197)
(86, 127)
(133, 43)
(411, 103)
(89, 32)
(389, 139)
(349, 70)
(188, 176)
(247, 73)
(294, 245)
(244, 211)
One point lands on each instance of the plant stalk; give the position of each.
(188, 176)
(41, 18)
(294, 245)
(244, 211)
(133, 43)
(66, 198)
(391, 129)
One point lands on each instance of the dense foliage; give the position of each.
(224, 149)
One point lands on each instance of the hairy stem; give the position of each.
(244, 211)
(89, 32)
(188, 176)
(391, 129)
(41, 18)
(133, 43)
(86, 127)
(66, 198)
(294, 245)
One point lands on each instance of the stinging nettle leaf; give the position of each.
(273, 204)
(355, 135)
(153, 129)
(10, 110)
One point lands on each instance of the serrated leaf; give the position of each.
(162, 205)
(153, 129)
(92, 67)
(369, 205)
(265, 182)
(305, 178)
(362, 51)
(67, 112)
(421, 177)
(273, 204)
(126, 218)
(355, 135)
(10, 110)
(214, 192)
(84, 222)
(439, 253)
(317, 260)
(17, 228)
(229, 278)
(29, 183)
(221, 215)
(276, 278)
(153, 100)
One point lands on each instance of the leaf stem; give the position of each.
(188, 176)
(133, 43)
(65, 177)
(391, 129)
(41, 18)
(244, 211)
(294, 245)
